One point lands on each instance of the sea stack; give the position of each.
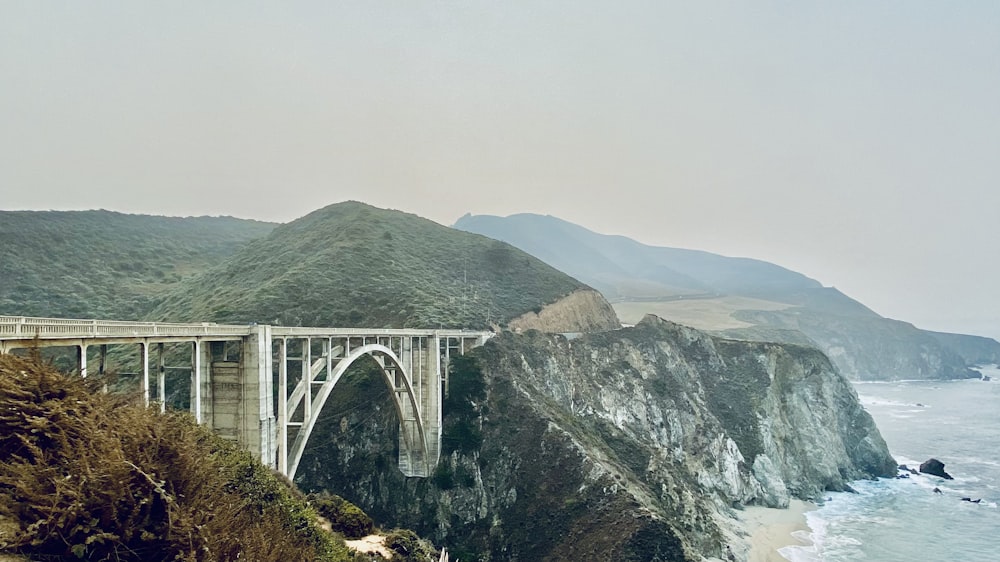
(935, 468)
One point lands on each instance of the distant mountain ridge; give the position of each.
(620, 267)
(739, 297)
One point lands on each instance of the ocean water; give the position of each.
(957, 422)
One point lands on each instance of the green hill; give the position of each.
(105, 264)
(739, 297)
(351, 264)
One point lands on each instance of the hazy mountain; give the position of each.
(622, 268)
(351, 264)
(738, 297)
(104, 264)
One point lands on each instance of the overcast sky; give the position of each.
(855, 142)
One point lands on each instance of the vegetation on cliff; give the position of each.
(85, 474)
(102, 264)
(351, 264)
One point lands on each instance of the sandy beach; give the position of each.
(771, 529)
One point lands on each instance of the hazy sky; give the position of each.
(855, 142)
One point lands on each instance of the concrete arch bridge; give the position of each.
(234, 387)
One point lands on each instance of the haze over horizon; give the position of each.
(855, 143)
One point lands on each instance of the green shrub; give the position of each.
(406, 546)
(443, 477)
(345, 517)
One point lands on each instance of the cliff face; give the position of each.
(625, 445)
(974, 349)
(584, 310)
(871, 348)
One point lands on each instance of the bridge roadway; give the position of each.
(232, 382)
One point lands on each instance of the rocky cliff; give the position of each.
(870, 348)
(584, 310)
(635, 444)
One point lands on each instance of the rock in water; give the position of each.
(934, 467)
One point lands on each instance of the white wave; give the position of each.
(868, 400)
(815, 536)
(902, 459)
(797, 553)
(977, 460)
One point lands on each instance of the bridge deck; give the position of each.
(20, 331)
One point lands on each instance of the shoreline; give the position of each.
(771, 529)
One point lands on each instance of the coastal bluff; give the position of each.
(634, 444)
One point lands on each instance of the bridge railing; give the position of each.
(306, 331)
(28, 327)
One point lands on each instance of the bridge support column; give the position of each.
(144, 354)
(197, 361)
(425, 377)
(282, 444)
(258, 384)
(81, 359)
(161, 378)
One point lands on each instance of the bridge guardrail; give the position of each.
(27, 327)
(24, 327)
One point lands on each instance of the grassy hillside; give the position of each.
(351, 264)
(106, 264)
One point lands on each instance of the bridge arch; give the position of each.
(411, 422)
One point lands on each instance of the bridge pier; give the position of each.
(81, 359)
(236, 395)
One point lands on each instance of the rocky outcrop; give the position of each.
(934, 467)
(584, 310)
(625, 445)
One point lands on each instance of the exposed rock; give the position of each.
(934, 467)
(624, 445)
(584, 310)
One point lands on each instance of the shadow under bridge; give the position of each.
(413, 364)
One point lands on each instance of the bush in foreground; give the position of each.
(85, 474)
